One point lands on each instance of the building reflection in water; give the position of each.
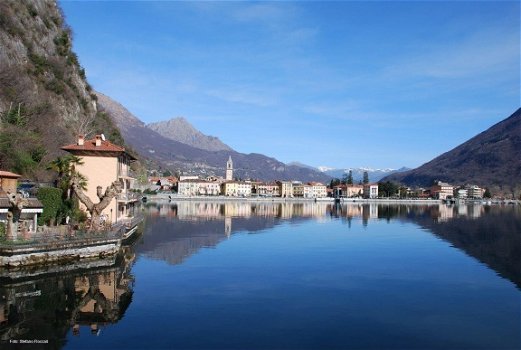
(181, 229)
(197, 211)
(47, 305)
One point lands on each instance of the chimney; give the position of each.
(98, 140)
(81, 140)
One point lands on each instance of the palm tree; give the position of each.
(66, 169)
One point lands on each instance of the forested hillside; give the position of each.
(45, 99)
(490, 159)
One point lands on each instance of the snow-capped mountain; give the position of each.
(358, 173)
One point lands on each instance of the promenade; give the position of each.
(175, 198)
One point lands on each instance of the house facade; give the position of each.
(442, 190)
(198, 188)
(371, 190)
(285, 189)
(475, 192)
(32, 207)
(104, 163)
(236, 189)
(266, 190)
(318, 190)
(302, 190)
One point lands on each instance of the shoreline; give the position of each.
(175, 198)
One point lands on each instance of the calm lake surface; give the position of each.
(239, 275)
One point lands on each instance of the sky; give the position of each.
(339, 84)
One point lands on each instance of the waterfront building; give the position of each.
(462, 193)
(285, 189)
(102, 164)
(236, 189)
(371, 190)
(318, 190)
(302, 191)
(442, 190)
(475, 192)
(266, 190)
(196, 187)
(354, 191)
(229, 169)
(348, 191)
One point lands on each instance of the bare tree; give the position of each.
(17, 203)
(95, 210)
(83, 123)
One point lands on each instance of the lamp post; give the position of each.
(111, 216)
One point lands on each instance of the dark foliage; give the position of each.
(490, 159)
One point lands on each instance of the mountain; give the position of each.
(179, 129)
(45, 99)
(490, 159)
(301, 165)
(178, 156)
(358, 173)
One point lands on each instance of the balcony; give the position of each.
(127, 197)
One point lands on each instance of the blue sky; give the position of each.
(342, 84)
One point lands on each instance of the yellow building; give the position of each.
(303, 191)
(236, 189)
(104, 163)
(8, 181)
(285, 189)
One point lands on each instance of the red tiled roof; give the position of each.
(9, 174)
(90, 145)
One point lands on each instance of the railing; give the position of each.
(127, 196)
(132, 221)
(60, 235)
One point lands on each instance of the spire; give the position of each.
(229, 169)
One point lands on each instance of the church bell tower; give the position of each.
(229, 169)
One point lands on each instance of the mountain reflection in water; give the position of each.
(490, 234)
(70, 305)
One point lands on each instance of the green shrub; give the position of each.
(55, 86)
(2, 230)
(51, 199)
(40, 63)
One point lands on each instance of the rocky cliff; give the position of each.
(179, 129)
(45, 99)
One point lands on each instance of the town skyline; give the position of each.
(345, 79)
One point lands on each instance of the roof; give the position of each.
(9, 174)
(29, 202)
(89, 147)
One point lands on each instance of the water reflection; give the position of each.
(47, 304)
(188, 210)
(491, 234)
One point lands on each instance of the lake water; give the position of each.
(234, 275)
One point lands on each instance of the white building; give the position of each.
(371, 190)
(236, 189)
(198, 188)
(318, 190)
(475, 192)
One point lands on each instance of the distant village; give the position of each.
(192, 186)
(96, 192)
